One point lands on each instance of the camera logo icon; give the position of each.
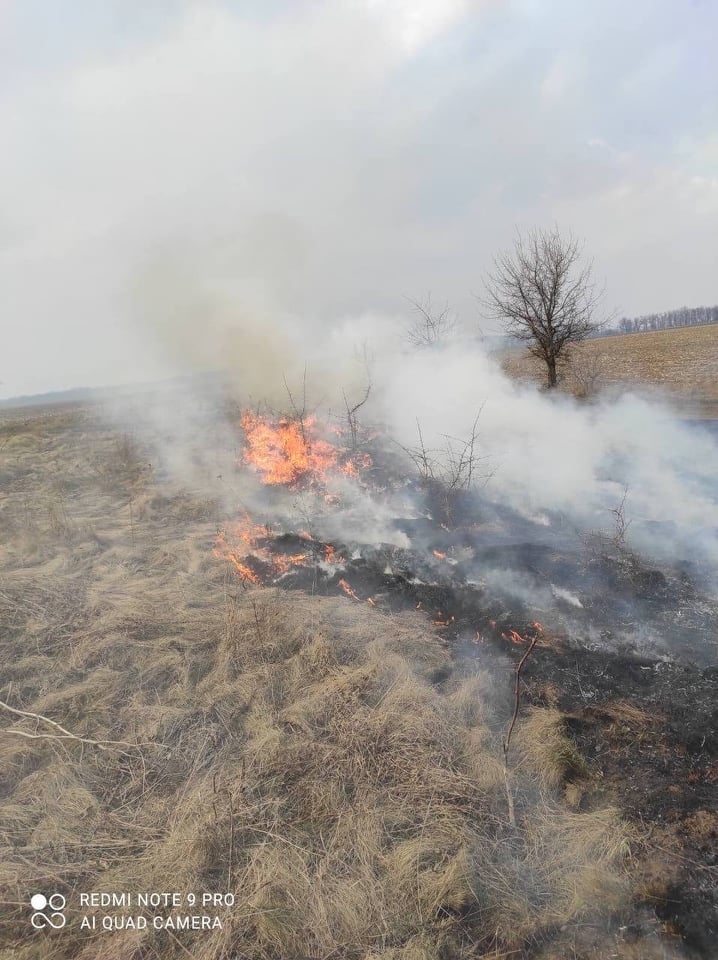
(48, 911)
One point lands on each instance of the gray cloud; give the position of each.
(169, 172)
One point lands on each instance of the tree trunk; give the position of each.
(551, 370)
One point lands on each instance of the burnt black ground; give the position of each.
(645, 724)
(663, 772)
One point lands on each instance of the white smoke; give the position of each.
(548, 452)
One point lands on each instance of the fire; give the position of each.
(223, 551)
(348, 590)
(356, 464)
(330, 554)
(245, 538)
(515, 637)
(283, 563)
(288, 451)
(346, 587)
(442, 623)
(439, 555)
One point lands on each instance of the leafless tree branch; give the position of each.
(63, 733)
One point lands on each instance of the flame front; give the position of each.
(287, 451)
(224, 551)
(243, 539)
(346, 587)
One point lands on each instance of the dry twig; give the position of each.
(507, 741)
(64, 734)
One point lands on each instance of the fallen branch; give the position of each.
(64, 734)
(507, 741)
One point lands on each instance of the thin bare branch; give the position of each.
(64, 734)
(430, 327)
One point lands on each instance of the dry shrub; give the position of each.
(585, 371)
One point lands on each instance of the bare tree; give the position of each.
(430, 327)
(544, 295)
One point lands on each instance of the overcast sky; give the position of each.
(171, 169)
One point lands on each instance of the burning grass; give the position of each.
(286, 451)
(319, 759)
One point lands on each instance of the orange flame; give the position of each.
(223, 551)
(443, 623)
(283, 563)
(437, 553)
(288, 451)
(513, 636)
(346, 587)
(330, 554)
(356, 464)
(243, 538)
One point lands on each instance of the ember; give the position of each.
(443, 623)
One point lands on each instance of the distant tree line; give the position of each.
(667, 320)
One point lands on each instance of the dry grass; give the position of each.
(682, 362)
(295, 750)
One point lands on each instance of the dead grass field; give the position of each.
(324, 762)
(683, 362)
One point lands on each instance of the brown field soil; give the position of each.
(683, 363)
(335, 767)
